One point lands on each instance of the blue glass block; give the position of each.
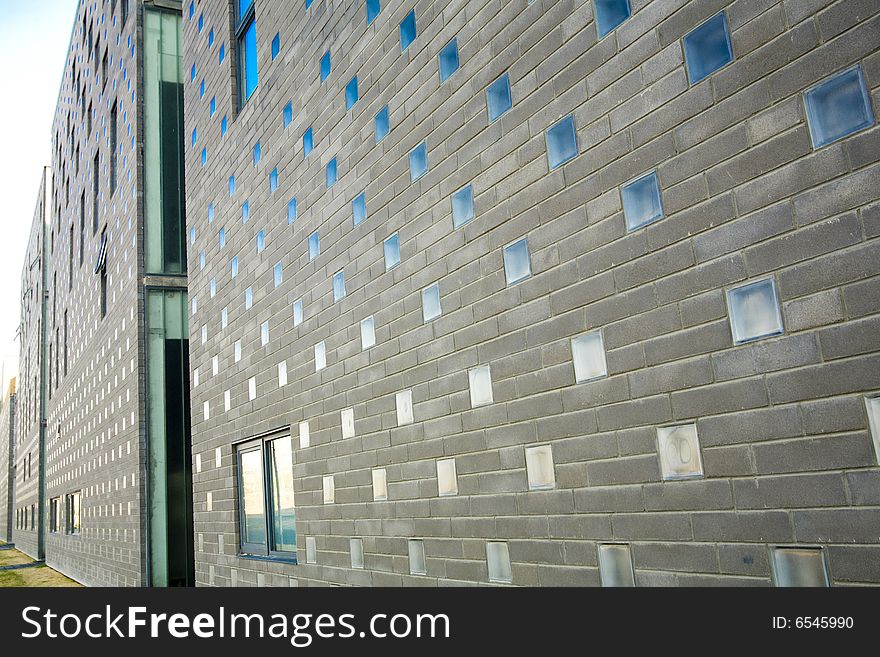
(325, 66)
(211, 213)
(273, 181)
(707, 48)
(291, 210)
(248, 298)
(359, 208)
(838, 106)
(251, 74)
(462, 206)
(258, 153)
(192, 73)
(192, 235)
(351, 93)
(201, 22)
(641, 201)
(222, 55)
(517, 266)
(202, 89)
(192, 9)
(498, 97)
(408, 30)
(448, 60)
(314, 245)
(231, 185)
(610, 14)
(331, 173)
(204, 156)
(201, 259)
(234, 266)
(213, 105)
(288, 114)
(561, 142)
(392, 252)
(211, 37)
(195, 136)
(221, 236)
(276, 45)
(381, 124)
(754, 312)
(418, 162)
(373, 9)
(307, 142)
(297, 312)
(308, 3)
(224, 125)
(261, 241)
(277, 274)
(431, 303)
(245, 212)
(338, 286)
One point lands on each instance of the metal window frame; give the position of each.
(241, 25)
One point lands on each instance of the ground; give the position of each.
(42, 576)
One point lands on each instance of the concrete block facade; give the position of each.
(7, 464)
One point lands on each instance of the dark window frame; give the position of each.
(241, 26)
(71, 499)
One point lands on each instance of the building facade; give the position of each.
(7, 464)
(563, 292)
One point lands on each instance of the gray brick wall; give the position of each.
(7, 464)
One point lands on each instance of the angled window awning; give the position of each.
(101, 262)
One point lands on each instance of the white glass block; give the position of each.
(615, 565)
(368, 333)
(347, 422)
(517, 266)
(588, 354)
(196, 378)
(282, 373)
(218, 457)
(799, 567)
(404, 407)
(642, 204)
(754, 311)
(278, 274)
(498, 559)
(873, 406)
(462, 206)
(206, 409)
(297, 312)
(215, 365)
(417, 564)
(252, 388)
(237, 350)
(320, 356)
(227, 400)
(447, 479)
(380, 485)
(204, 333)
(679, 448)
(418, 162)
(539, 467)
(338, 286)
(264, 333)
(431, 302)
(213, 287)
(481, 386)
(329, 489)
(356, 548)
(248, 298)
(314, 246)
(311, 550)
(304, 434)
(391, 248)
(224, 318)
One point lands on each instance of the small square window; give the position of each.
(329, 486)
(754, 311)
(447, 479)
(221, 237)
(278, 274)
(373, 9)
(448, 60)
(799, 567)
(314, 245)
(273, 181)
(195, 137)
(234, 266)
(211, 37)
(304, 438)
(288, 115)
(213, 288)
(403, 402)
(237, 351)
(480, 381)
(838, 106)
(311, 550)
(418, 162)
(276, 45)
(347, 418)
(201, 259)
(282, 374)
(224, 318)
(338, 286)
(245, 212)
(224, 125)
(356, 548)
(227, 400)
(707, 48)
(204, 156)
(408, 30)
(213, 106)
(368, 333)
(264, 334)
(258, 153)
(381, 124)
(498, 560)
(351, 93)
(320, 356)
(615, 566)
(252, 388)
(431, 302)
(392, 252)
(211, 213)
(498, 97)
(331, 173)
(462, 206)
(679, 448)
(308, 144)
(872, 404)
(610, 14)
(222, 54)
(297, 312)
(517, 266)
(248, 298)
(539, 467)
(359, 208)
(325, 66)
(206, 410)
(202, 89)
(588, 354)
(641, 201)
(291, 210)
(561, 142)
(417, 564)
(380, 485)
(261, 241)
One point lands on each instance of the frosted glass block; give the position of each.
(610, 14)
(707, 48)
(311, 550)
(641, 201)
(480, 379)
(264, 334)
(237, 349)
(838, 106)
(447, 479)
(448, 60)
(215, 365)
(332, 174)
(282, 373)
(380, 485)
(224, 318)
(347, 416)
(221, 237)
(329, 486)
(297, 312)
(418, 162)
(679, 448)
(431, 303)
(338, 286)
(320, 356)
(207, 410)
(351, 93)
(873, 406)
(403, 401)
(754, 311)
(561, 142)
(588, 354)
(539, 467)
(291, 211)
(314, 246)
(213, 288)
(462, 206)
(325, 66)
(356, 548)
(517, 266)
(391, 247)
(498, 97)
(252, 388)
(273, 181)
(261, 241)
(308, 142)
(382, 124)
(278, 274)
(799, 567)
(408, 30)
(288, 115)
(204, 333)
(248, 298)
(196, 378)
(304, 437)
(234, 266)
(417, 564)
(498, 560)
(615, 565)
(359, 208)
(227, 400)
(368, 332)
(258, 153)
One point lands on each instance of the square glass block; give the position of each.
(311, 550)
(382, 125)
(224, 126)
(610, 14)
(498, 560)
(273, 181)
(237, 351)
(588, 354)
(222, 54)
(276, 45)
(278, 274)
(368, 333)
(754, 311)
(304, 438)
(297, 312)
(561, 142)
(248, 298)
(707, 48)
(517, 266)
(195, 305)
(391, 247)
(331, 173)
(347, 420)
(221, 237)
(261, 241)
(329, 486)
(798, 567)
(282, 373)
(245, 212)
(380, 485)
(498, 97)
(195, 137)
(196, 377)
(320, 356)
(447, 479)
(201, 259)
(204, 156)
(234, 266)
(258, 153)
(291, 210)
(679, 448)
(215, 365)
(232, 185)
(462, 206)
(213, 288)
(314, 245)
(211, 213)
(308, 142)
(417, 564)
(418, 162)
(206, 410)
(448, 60)
(227, 400)
(288, 115)
(351, 93)
(539, 467)
(213, 109)
(325, 66)
(252, 388)
(615, 565)
(404, 405)
(838, 106)
(264, 334)
(872, 404)
(356, 548)
(359, 208)
(338, 286)
(224, 318)
(408, 30)
(480, 380)
(373, 9)
(641, 201)
(431, 302)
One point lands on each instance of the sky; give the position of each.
(34, 37)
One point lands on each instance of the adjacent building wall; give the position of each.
(7, 464)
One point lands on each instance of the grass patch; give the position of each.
(13, 558)
(38, 576)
